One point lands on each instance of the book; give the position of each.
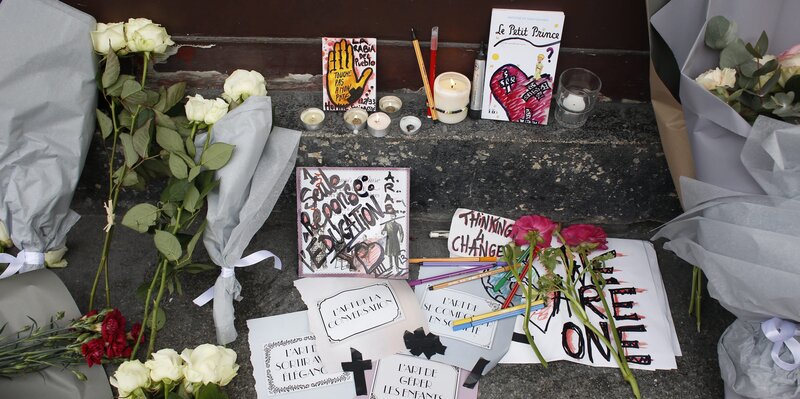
(349, 70)
(521, 65)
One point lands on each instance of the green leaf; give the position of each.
(194, 172)
(141, 291)
(125, 118)
(175, 190)
(190, 246)
(127, 148)
(191, 199)
(210, 391)
(169, 139)
(771, 83)
(720, 32)
(130, 178)
(196, 268)
(762, 44)
(207, 182)
(168, 245)
(105, 123)
(164, 121)
(156, 168)
(734, 55)
(175, 94)
(178, 167)
(130, 88)
(793, 85)
(161, 319)
(141, 217)
(770, 66)
(216, 155)
(191, 150)
(152, 97)
(116, 89)
(752, 50)
(169, 209)
(748, 68)
(141, 140)
(186, 158)
(111, 72)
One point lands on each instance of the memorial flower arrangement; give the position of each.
(577, 241)
(194, 373)
(748, 78)
(99, 337)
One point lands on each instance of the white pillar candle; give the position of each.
(574, 103)
(355, 119)
(312, 118)
(451, 97)
(378, 124)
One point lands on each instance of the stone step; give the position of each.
(612, 170)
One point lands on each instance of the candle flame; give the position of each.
(452, 83)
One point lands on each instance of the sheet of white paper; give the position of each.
(462, 392)
(474, 233)
(401, 376)
(442, 307)
(286, 364)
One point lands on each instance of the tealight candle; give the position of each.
(451, 96)
(312, 118)
(390, 104)
(574, 103)
(378, 124)
(410, 124)
(355, 119)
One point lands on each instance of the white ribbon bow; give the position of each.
(17, 263)
(249, 260)
(782, 332)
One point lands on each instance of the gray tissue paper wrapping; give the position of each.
(250, 184)
(47, 100)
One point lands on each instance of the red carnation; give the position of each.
(118, 347)
(135, 331)
(91, 313)
(93, 351)
(587, 235)
(113, 325)
(540, 224)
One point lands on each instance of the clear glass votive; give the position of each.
(576, 96)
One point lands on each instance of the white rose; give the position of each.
(243, 84)
(716, 77)
(145, 36)
(130, 376)
(166, 364)
(5, 238)
(196, 108)
(217, 109)
(109, 37)
(209, 364)
(55, 258)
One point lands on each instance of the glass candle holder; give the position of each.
(576, 96)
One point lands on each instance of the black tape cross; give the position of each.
(418, 343)
(476, 373)
(357, 366)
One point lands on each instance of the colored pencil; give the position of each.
(468, 278)
(414, 283)
(471, 319)
(495, 318)
(432, 61)
(463, 259)
(452, 264)
(503, 280)
(425, 84)
(515, 287)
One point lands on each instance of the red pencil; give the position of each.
(515, 287)
(432, 66)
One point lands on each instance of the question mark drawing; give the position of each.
(549, 53)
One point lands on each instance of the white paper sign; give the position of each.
(355, 311)
(294, 365)
(404, 377)
(474, 233)
(443, 306)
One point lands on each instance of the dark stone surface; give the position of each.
(270, 292)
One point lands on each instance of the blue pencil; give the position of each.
(487, 320)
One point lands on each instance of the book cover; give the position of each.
(521, 65)
(349, 67)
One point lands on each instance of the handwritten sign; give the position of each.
(353, 312)
(353, 221)
(443, 306)
(294, 365)
(474, 233)
(349, 67)
(403, 377)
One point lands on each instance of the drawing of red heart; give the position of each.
(368, 255)
(524, 98)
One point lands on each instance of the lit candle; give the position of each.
(390, 104)
(378, 124)
(574, 103)
(451, 96)
(312, 118)
(355, 119)
(410, 124)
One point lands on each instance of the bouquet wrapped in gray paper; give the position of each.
(717, 132)
(747, 245)
(250, 184)
(47, 99)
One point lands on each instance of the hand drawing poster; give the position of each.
(353, 221)
(521, 65)
(478, 234)
(349, 69)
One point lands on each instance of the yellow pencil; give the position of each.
(425, 84)
(494, 313)
(467, 259)
(469, 278)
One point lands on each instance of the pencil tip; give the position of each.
(413, 34)
(430, 288)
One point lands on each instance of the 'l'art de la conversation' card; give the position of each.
(521, 65)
